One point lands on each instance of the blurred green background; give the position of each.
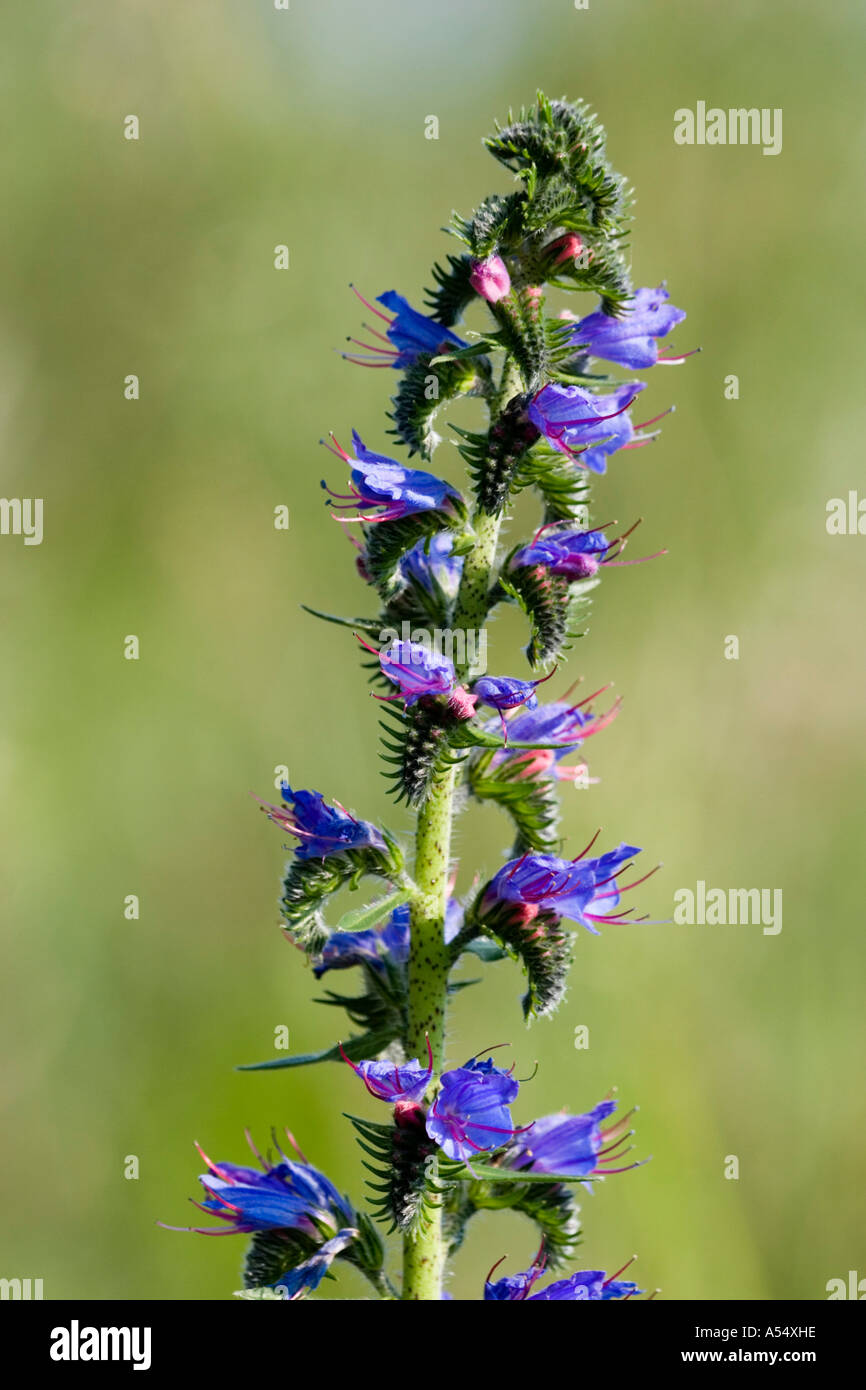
(156, 258)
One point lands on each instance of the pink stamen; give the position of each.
(296, 1146)
(362, 362)
(517, 864)
(213, 1166)
(336, 448)
(492, 1048)
(352, 497)
(618, 564)
(611, 1277)
(391, 515)
(541, 530)
(370, 347)
(615, 1145)
(594, 419)
(578, 857)
(627, 887)
(592, 697)
(654, 421)
(493, 1269)
(220, 1215)
(199, 1230)
(674, 361)
(218, 1198)
(381, 336)
(249, 1138)
(371, 307)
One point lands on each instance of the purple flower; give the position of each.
(490, 278)
(587, 1285)
(557, 722)
(344, 949)
(469, 1115)
(387, 1081)
(321, 828)
(507, 692)
(573, 1145)
(410, 333)
(308, 1275)
(572, 555)
(432, 565)
(572, 418)
(378, 947)
(453, 920)
(576, 555)
(416, 670)
(631, 341)
(582, 890)
(374, 947)
(380, 482)
(284, 1196)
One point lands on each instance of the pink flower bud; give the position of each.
(462, 703)
(566, 248)
(490, 279)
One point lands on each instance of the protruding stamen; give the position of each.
(611, 1277)
(580, 856)
(675, 361)
(371, 307)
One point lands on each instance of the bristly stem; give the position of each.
(430, 959)
(429, 964)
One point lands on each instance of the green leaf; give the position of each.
(356, 1049)
(363, 624)
(479, 349)
(485, 950)
(359, 918)
(502, 1175)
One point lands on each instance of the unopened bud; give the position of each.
(490, 278)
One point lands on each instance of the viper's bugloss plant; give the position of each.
(442, 1141)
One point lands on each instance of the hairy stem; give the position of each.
(473, 600)
(429, 964)
(430, 959)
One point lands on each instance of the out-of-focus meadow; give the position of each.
(155, 257)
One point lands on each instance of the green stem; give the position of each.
(429, 965)
(473, 600)
(430, 959)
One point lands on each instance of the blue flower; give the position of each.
(583, 891)
(417, 671)
(507, 692)
(379, 482)
(432, 565)
(375, 947)
(630, 341)
(378, 947)
(576, 555)
(411, 334)
(587, 1285)
(556, 722)
(284, 1196)
(390, 1082)
(572, 418)
(322, 829)
(572, 1145)
(469, 1114)
(308, 1275)
(573, 555)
